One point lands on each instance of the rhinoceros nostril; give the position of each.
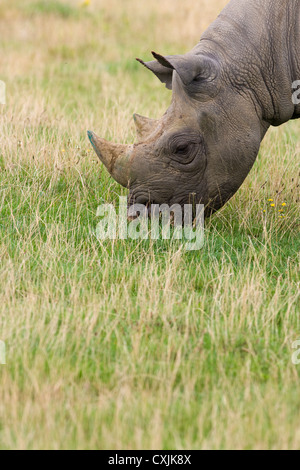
(139, 199)
(144, 200)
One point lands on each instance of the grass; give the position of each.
(122, 344)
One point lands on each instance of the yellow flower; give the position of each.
(272, 205)
(283, 204)
(63, 150)
(264, 211)
(85, 3)
(270, 200)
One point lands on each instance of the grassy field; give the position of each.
(120, 344)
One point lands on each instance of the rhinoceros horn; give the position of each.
(144, 126)
(114, 156)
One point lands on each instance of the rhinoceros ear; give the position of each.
(163, 73)
(190, 67)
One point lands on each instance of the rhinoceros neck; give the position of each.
(258, 43)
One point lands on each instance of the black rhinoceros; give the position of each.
(242, 77)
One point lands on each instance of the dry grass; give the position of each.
(118, 344)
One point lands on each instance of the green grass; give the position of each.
(54, 7)
(123, 344)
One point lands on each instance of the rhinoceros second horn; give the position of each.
(144, 126)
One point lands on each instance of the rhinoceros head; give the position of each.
(204, 145)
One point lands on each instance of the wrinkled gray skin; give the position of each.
(226, 93)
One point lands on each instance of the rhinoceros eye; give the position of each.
(182, 149)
